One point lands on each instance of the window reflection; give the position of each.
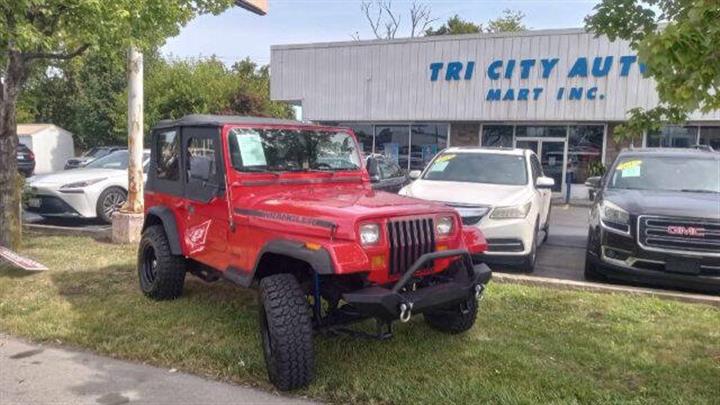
(673, 137)
(584, 150)
(500, 136)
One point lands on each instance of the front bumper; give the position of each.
(62, 204)
(386, 303)
(507, 237)
(619, 257)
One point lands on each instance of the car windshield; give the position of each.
(666, 173)
(490, 168)
(117, 160)
(292, 150)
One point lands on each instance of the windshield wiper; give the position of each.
(256, 170)
(690, 190)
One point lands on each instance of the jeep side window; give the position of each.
(167, 160)
(201, 163)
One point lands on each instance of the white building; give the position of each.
(51, 145)
(559, 92)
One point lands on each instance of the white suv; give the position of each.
(501, 191)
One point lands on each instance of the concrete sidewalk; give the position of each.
(34, 374)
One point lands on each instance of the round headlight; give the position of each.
(444, 225)
(369, 234)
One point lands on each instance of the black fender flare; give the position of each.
(167, 219)
(318, 259)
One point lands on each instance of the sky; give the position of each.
(237, 33)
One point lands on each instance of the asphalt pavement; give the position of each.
(35, 374)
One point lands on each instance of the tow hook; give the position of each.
(405, 312)
(479, 288)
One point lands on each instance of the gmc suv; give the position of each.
(656, 219)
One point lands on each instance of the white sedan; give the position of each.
(501, 191)
(94, 191)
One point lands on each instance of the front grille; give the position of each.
(409, 239)
(683, 234)
(51, 205)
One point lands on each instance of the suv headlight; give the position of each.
(81, 184)
(513, 212)
(613, 216)
(444, 226)
(369, 234)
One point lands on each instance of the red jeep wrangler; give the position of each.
(288, 207)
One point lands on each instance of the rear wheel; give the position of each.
(161, 274)
(110, 201)
(455, 319)
(286, 332)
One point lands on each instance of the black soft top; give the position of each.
(689, 153)
(204, 120)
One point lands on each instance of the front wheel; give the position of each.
(286, 332)
(161, 274)
(110, 201)
(455, 319)
(528, 265)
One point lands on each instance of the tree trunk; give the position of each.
(135, 132)
(15, 74)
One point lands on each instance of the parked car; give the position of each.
(94, 191)
(385, 175)
(656, 220)
(25, 160)
(501, 191)
(287, 207)
(92, 154)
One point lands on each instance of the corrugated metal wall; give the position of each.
(390, 80)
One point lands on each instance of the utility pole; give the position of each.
(127, 222)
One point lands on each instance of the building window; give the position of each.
(500, 136)
(541, 132)
(585, 145)
(364, 134)
(393, 141)
(427, 140)
(710, 136)
(673, 137)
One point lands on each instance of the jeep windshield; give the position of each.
(664, 173)
(488, 168)
(292, 150)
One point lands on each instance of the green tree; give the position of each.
(509, 21)
(36, 33)
(678, 41)
(455, 26)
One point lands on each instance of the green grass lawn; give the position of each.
(529, 344)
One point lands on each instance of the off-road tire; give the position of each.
(166, 279)
(286, 332)
(119, 197)
(456, 319)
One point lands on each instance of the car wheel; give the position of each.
(528, 264)
(110, 201)
(546, 228)
(286, 332)
(456, 319)
(591, 272)
(161, 274)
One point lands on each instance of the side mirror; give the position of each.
(414, 174)
(594, 182)
(545, 182)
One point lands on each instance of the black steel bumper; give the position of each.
(386, 302)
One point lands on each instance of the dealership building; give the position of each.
(558, 92)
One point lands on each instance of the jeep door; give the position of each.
(205, 207)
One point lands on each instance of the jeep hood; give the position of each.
(332, 206)
(666, 203)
